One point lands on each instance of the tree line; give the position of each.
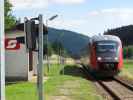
(125, 33)
(55, 48)
(10, 20)
(128, 52)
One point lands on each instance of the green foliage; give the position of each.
(65, 53)
(9, 18)
(49, 49)
(124, 32)
(127, 69)
(128, 52)
(73, 42)
(57, 47)
(125, 52)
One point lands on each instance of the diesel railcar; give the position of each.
(106, 57)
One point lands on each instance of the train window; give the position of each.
(103, 47)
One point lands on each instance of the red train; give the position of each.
(106, 57)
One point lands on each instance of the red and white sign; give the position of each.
(12, 44)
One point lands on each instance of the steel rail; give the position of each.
(101, 83)
(122, 82)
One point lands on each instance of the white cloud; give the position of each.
(29, 4)
(122, 13)
(97, 21)
(117, 10)
(68, 1)
(68, 24)
(101, 20)
(93, 13)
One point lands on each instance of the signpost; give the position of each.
(31, 37)
(12, 44)
(2, 52)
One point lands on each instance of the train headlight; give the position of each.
(116, 58)
(99, 58)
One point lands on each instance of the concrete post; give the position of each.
(2, 52)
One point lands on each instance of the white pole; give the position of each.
(2, 52)
(40, 69)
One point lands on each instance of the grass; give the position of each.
(71, 85)
(21, 91)
(127, 69)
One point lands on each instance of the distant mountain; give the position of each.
(125, 33)
(72, 41)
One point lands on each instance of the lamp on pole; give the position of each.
(47, 57)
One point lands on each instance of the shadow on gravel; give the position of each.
(76, 71)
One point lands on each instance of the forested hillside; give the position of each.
(125, 33)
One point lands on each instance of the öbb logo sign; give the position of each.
(12, 44)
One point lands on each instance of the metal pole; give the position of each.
(40, 60)
(50, 19)
(47, 56)
(25, 19)
(63, 59)
(2, 52)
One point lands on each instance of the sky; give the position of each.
(88, 17)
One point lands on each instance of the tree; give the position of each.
(57, 46)
(125, 49)
(128, 52)
(47, 48)
(9, 18)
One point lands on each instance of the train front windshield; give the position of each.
(107, 47)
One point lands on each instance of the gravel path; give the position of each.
(121, 91)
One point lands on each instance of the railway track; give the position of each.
(112, 89)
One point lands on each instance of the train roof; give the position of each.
(97, 38)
